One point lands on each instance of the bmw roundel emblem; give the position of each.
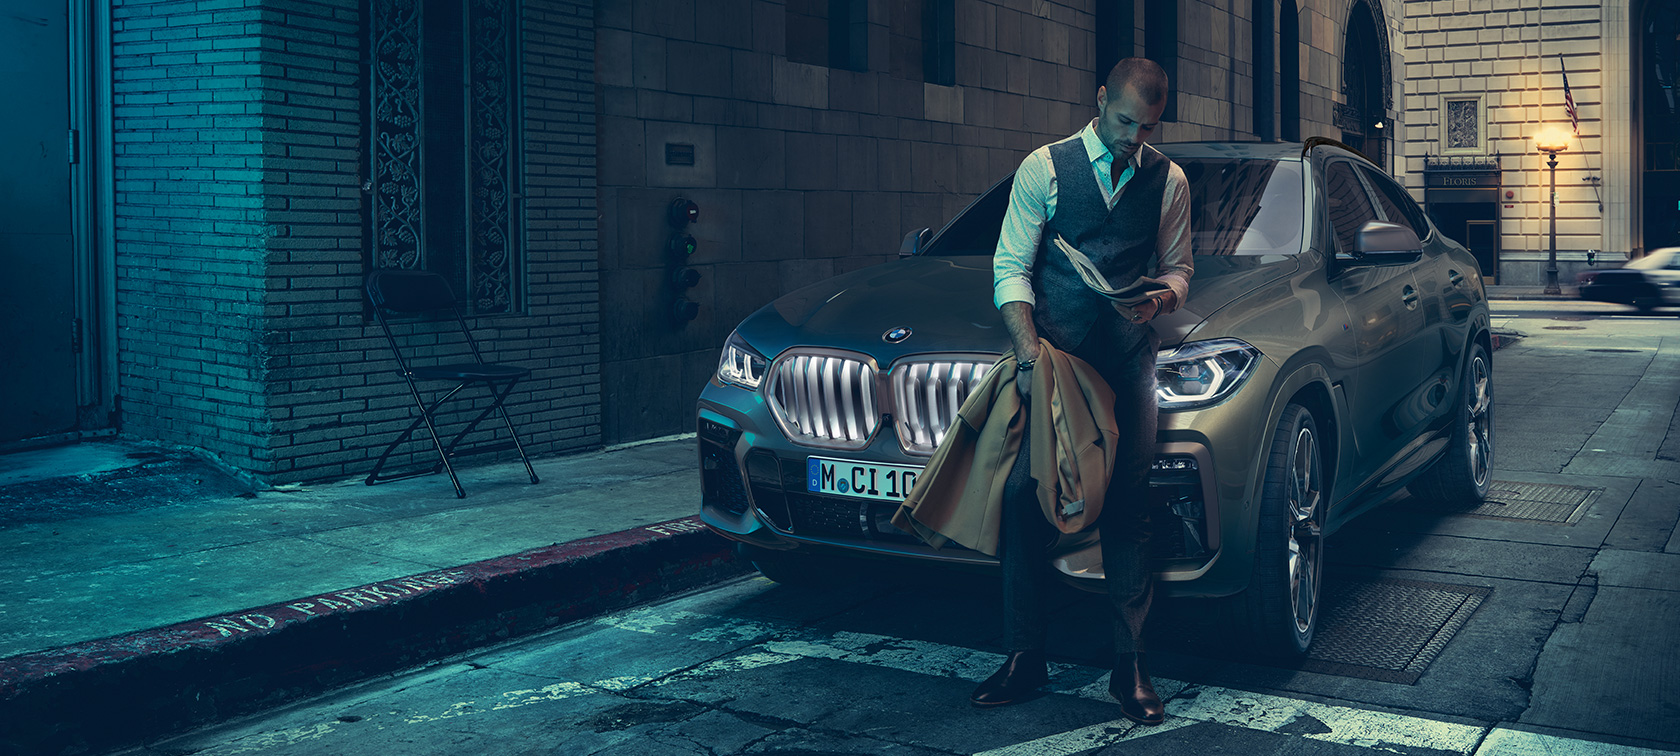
(896, 335)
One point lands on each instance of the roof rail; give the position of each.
(1319, 141)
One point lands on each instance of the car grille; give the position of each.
(928, 395)
(831, 400)
(825, 400)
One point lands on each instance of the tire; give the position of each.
(1278, 613)
(1462, 476)
(1646, 305)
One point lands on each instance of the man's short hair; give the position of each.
(1142, 74)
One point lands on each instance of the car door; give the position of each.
(1667, 279)
(1444, 283)
(1386, 315)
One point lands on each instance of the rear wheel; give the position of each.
(1279, 611)
(1463, 474)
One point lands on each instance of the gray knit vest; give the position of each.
(1121, 242)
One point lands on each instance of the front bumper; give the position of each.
(754, 491)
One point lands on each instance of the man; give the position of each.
(1126, 207)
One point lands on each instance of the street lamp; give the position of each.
(1552, 141)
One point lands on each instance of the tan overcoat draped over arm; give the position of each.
(959, 496)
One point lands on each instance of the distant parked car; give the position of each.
(1335, 348)
(1650, 282)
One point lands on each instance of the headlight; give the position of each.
(740, 364)
(1203, 373)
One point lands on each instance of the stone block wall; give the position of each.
(1507, 56)
(803, 171)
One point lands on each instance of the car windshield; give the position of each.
(1657, 259)
(1237, 207)
(1244, 207)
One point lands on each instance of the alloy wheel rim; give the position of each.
(1305, 533)
(1480, 428)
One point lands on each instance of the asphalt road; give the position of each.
(1499, 632)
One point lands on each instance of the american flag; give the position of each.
(1569, 99)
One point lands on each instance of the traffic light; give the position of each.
(679, 249)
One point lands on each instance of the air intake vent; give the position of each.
(825, 400)
(928, 395)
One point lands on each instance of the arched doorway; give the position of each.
(1659, 110)
(1363, 119)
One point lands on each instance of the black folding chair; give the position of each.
(416, 292)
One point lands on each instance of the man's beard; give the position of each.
(1115, 147)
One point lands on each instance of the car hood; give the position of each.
(946, 302)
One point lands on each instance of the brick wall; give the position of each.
(241, 249)
(803, 172)
(191, 230)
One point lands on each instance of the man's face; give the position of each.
(1125, 121)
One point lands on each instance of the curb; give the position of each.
(124, 690)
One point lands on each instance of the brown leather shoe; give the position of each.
(1021, 674)
(1130, 686)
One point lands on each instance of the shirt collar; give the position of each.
(1095, 149)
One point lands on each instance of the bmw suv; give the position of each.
(1334, 349)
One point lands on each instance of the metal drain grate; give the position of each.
(1541, 502)
(1388, 630)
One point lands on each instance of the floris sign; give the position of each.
(1461, 178)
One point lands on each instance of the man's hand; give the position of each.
(1149, 309)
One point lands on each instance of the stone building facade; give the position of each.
(813, 135)
(243, 163)
(1483, 78)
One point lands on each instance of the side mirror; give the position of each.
(914, 242)
(1382, 243)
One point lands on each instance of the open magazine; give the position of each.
(1123, 299)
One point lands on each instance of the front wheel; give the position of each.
(1279, 611)
(1463, 475)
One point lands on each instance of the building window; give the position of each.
(443, 145)
(1160, 44)
(1289, 71)
(939, 42)
(807, 31)
(848, 34)
(1463, 128)
(1261, 23)
(831, 33)
(1116, 34)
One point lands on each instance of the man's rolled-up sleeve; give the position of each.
(1174, 263)
(1023, 226)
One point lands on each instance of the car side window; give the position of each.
(1348, 205)
(1396, 204)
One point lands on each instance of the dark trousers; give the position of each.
(1123, 524)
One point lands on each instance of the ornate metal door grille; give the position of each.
(443, 174)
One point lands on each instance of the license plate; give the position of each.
(859, 480)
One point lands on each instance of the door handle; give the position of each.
(1453, 278)
(1410, 297)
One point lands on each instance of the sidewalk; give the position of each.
(1568, 291)
(150, 592)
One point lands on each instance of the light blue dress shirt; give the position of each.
(1032, 202)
